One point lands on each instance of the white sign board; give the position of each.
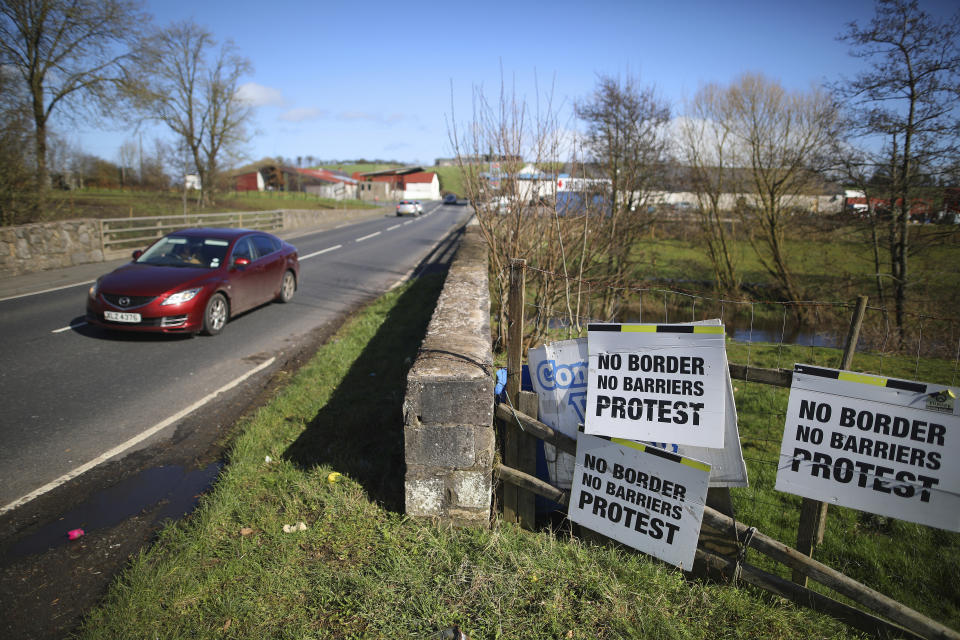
(640, 495)
(660, 383)
(559, 374)
(876, 444)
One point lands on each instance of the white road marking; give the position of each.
(367, 237)
(68, 327)
(407, 222)
(316, 253)
(393, 227)
(36, 293)
(70, 475)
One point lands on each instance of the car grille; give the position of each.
(129, 302)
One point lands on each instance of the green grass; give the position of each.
(451, 180)
(829, 265)
(362, 569)
(911, 563)
(116, 203)
(351, 168)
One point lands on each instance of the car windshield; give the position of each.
(180, 251)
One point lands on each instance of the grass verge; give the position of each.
(360, 568)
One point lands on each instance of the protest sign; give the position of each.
(558, 372)
(877, 444)
(640, 495)
(660, 383)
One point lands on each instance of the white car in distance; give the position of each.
(407, 208)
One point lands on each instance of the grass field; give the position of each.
(115, 203)
(351, 168)
(360, 568)
(451, 180)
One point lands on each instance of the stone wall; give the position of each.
(448, 408)
(49, 245)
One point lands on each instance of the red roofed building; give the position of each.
(405, 183)
(423, 185)
(320, 182)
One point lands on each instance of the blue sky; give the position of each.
(381, 79)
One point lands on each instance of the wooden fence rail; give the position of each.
(913, 623)
(118, 234)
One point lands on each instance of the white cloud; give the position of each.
(258, 95)
(302, 114)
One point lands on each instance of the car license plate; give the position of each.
(121, 317)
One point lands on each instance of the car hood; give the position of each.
(150, 280)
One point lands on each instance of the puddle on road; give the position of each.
(173, 486)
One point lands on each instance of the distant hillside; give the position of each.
(350, 168)
(451, 179)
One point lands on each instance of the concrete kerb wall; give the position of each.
(448, 409)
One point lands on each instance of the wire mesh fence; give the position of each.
(767, 334)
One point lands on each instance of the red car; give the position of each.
(194, 280)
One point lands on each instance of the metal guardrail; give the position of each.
(118, 234)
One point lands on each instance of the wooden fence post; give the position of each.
(527, 459)
(518, 505)
(813, 513)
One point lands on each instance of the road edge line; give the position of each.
(70, 475)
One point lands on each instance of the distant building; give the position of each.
(321, 182)
(424, 185)
(404, 183)
(479, 159)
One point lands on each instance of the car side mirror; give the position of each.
(241, 262)
(137, 253)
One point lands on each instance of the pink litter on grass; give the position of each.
(73, 534)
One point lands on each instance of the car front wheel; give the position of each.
(287, 286)
(216, 314)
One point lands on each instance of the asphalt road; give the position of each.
(71, 392)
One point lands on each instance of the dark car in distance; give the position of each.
(194, 281)
(450, 198)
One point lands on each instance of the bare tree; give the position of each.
(627, 136)
(67, 54)
(490, 153)
(16, 201)
(781, 138)
(628, 139)
(906, 99)
(708, 152)
(854, 168)
(127, 156)
(568, 249)
(183, 79)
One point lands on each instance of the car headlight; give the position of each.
(181, 296)
(93, 289)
